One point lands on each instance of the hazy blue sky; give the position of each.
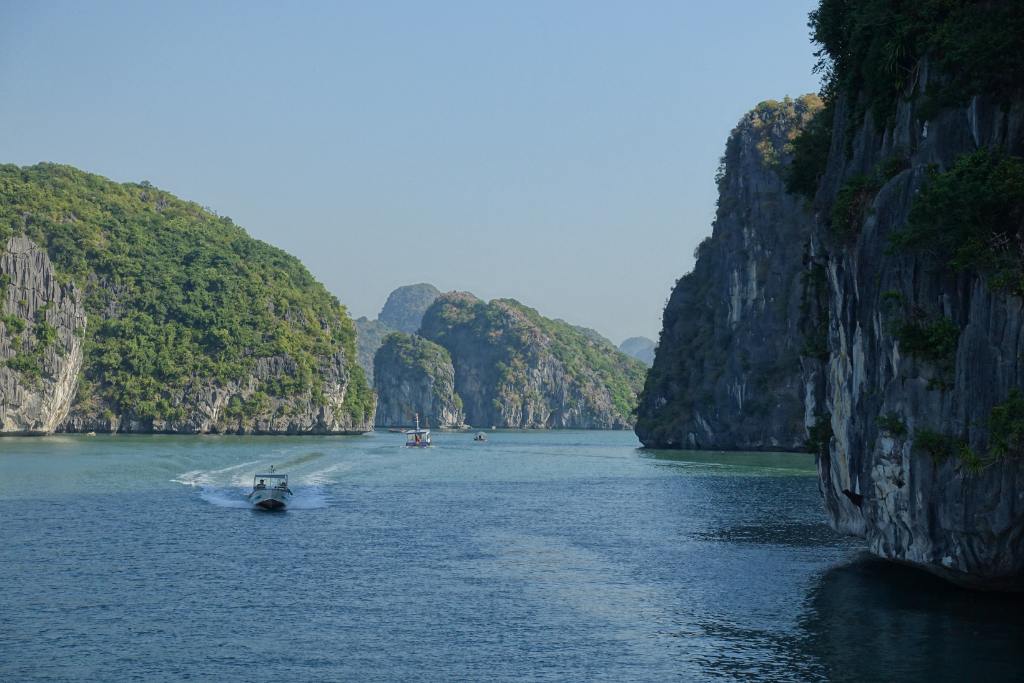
(561, 153)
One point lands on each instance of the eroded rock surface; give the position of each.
(879, 399)
(415, 376)
(727, 372)
(41, 334)
(515, 368)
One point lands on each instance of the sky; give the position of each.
(561, 153)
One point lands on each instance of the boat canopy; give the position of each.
(271, 476)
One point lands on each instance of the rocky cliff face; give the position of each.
(727, 373)
(176, 321)
(42, 324)
(515, 368)
(921, 454)
(242, 406)
(415, 376)
(404, 309)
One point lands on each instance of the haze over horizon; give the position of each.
(563, 155)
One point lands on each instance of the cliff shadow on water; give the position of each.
(872, 620)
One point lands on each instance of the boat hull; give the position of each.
(269, 499)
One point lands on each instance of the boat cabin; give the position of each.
(270, 480)
(417, 438)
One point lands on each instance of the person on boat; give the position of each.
(261, 485)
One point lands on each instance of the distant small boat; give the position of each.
(480, 436)
(417, 438)
(270, 490)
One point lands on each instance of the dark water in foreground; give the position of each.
(550, 556)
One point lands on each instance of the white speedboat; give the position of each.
(270, 490)
(417, 438)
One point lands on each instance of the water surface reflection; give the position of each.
(873, 620)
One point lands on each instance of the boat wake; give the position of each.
(225, 498)
(212, 477)
(227, 487)
(324, 476)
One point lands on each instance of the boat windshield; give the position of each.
(263, 481)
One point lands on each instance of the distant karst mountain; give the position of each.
(516, 368)
(640, 348)
(403, 311)
(124, 308)
(369, 336)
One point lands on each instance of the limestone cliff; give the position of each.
(146, 313)
(919, 246)
(415, 376)
(911, 422)
(515, 368)
(727, 371)
(42, 324)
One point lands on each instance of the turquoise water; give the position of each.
(533, 556)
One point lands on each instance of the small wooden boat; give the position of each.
(417, 438)
(270, 490)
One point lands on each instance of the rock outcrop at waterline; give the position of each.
(130, 310)
(415, 376)
(727, 371)
(922, 454)
(42, 324)
(515, 368)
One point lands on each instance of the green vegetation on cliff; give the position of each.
(508, 343)
(174, 292)
(414, 376)
(413, 352)
(871, 50)
(971, 217)
(370, 335)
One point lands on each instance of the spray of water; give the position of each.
(227, 487)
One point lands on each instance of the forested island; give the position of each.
(124, 308)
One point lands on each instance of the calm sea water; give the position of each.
(534, 556)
